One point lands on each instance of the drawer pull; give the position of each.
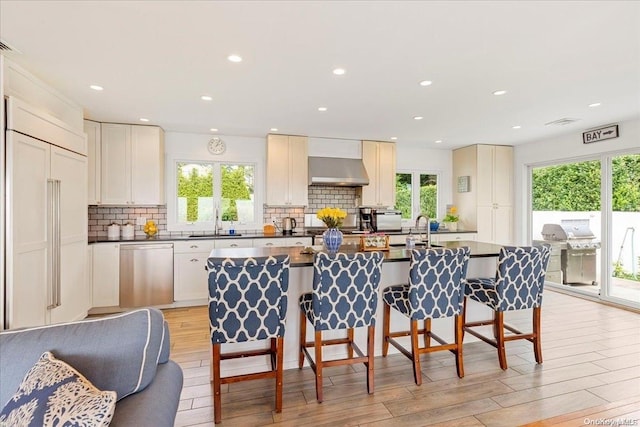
(233, 245)
(195, 260)
(193, 246)
(269, 244)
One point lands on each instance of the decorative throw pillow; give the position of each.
(53, 393)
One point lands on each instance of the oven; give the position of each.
(578, 250)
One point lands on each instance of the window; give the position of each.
(416, 193)
(201, 188)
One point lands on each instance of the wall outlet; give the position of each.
(141, 220)
(274, 219)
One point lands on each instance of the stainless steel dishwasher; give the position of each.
(146, 274)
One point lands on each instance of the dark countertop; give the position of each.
(244, 235)
(478, 250)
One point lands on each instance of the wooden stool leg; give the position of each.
(498, 327)
(458, 338)
(537, 342)
(415, 352)
(464, 316)
(386, 314)
(303, 338)
(427, 331)
(350, 345)
(318, 349)
(217, 399)
(370, 354)
(274, 354)
(279, 369)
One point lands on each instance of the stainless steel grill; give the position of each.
(578, 254)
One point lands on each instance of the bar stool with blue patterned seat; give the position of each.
(247, 302)
(435, 290)
(345, 296)
(518, 285)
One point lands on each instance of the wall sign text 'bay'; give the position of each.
(600, 134)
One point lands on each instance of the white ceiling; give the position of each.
(156, 58)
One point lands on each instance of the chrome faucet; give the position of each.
(427, 240)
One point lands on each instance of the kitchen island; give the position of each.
(395, 270)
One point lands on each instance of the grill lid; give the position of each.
(568, 229)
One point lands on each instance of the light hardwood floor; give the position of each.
(591, 371)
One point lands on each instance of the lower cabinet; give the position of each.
(450, 237)
(105, 275)
(190, 276)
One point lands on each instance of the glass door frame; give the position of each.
(606, 214)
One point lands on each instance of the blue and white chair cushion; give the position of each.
(519, 279)
(434, 289)
(345, 288)
(247, 298)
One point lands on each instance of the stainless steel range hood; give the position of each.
(337, 171)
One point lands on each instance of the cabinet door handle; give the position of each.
(233, 245)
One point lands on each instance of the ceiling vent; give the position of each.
(562, 122)
(6, 47)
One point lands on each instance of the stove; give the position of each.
(578, 247)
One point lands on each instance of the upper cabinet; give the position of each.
(132, 165)
(287, 170)
(487, 206)
(92, 129)
(379, 159)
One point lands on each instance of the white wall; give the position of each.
(559, 149)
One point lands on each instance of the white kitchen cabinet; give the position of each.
(190, 276)
(450, 237)
(94, 138)
(379, 160)
(106, 275)
(282, 242)
(46, 237)
(488, 205)
(234, 243)
(189, 269)
(287, 170)
(132, 164)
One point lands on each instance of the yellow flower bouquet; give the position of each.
(452, 215)
(332, 217)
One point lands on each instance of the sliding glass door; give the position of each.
(604, 195)
(624, 235)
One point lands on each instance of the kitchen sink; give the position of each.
(212, 236)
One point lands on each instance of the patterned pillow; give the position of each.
(54, 393)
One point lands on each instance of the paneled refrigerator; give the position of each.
(45, 219)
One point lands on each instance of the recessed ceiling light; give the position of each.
(274, 129)
(439, 141)
(142, 119)
(595, 104)
(322, 108)
(499, 92)
(516, 127)
(393, 138)
(96, 87)
(213, 130)
(418, 118)
(234, 58)
(339, 71)
(206, 98)
(426, 83)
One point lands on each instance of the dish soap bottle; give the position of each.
(232, 229)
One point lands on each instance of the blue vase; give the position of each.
(332, 239)
(434, 226)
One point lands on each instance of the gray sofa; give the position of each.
(127, 353)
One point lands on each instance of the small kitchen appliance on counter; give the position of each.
(288, 225)
(386, 220)
(365, 221)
